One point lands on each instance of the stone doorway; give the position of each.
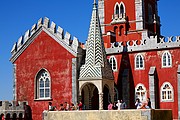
(90, 97)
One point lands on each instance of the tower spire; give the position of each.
(96, 65)
(94, 4)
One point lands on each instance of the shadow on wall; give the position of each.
(125, 82)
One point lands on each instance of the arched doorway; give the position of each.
(90, 97)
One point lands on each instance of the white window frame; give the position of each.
(117, 4)
(138, 67)
(165, 92)
(141, 97)
(113, 64)
(43, 75)
(166, 59)
(123, 8)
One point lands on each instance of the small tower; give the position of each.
(96, 76)
(124, 20)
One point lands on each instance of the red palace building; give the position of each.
(125, 57)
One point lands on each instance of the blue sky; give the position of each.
(73, 16)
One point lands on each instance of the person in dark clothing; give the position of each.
(27, 112)
(148, 103)
(114, 107)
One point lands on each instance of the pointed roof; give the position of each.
(56, 32)
(96, 65)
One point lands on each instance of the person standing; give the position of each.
(80, 105)
(138, 104)
(123, 105)
(118, 105)
(148, 106)
(110, 106)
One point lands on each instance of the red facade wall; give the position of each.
(44, 53)
(152, 58)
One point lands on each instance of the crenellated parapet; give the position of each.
(54, 31)
(150, 43)
(11, 109)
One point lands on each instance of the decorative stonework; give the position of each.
(96, 65)
(12, 108)
(147, 43)
(53, 30)
(96, 69)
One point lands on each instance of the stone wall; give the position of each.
(109, 115)
(11, 109)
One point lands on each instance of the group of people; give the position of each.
(66, 107)
(120, 104)
(145, 105)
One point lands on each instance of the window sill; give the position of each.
(167, 100)
(43, 99)
(166, 66)
(139, 68)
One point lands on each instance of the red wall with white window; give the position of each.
(151, 58)
(44, 53)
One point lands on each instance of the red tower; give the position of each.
(127, 20)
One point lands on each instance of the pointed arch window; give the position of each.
(113, 63)
(166, 59)
(117, 10)
(139, 62)
(140, 92)
(43, 85)
(167, 92)
(121, 9)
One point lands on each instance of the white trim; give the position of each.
(113, 59)
(166, 92)
(139, 62)
(142, 99)
(166, 54)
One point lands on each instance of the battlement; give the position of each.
(11, 109)
(56, 31)
(150, 43)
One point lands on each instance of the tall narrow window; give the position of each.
(140, 92)
(117, 10)
(121, 9)
(166, 59)
(113, 63)
(139, 62)
(167, 93)
(43, 86)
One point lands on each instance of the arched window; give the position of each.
(167, 92)
(140, 92)
(113, 63)
(43, 85)
(122, 9)
(139, 62)
(166, 59)
(116, 10)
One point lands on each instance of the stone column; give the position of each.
(178, 87)
(152, 87)
(74, 81)
(100, 101)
